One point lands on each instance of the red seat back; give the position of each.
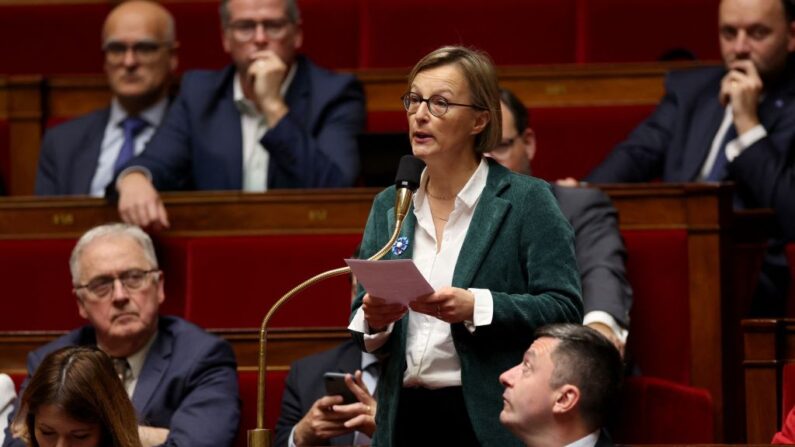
(659, 334)
(513, 32)
(248, 399)
(232, 281)
(562, 152)
(640, 31)
(656, 411)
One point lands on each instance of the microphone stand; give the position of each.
(260, 436)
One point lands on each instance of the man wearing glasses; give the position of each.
(272, 119)
(82, 156)
(182, 380)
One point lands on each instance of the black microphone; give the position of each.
(407, 181)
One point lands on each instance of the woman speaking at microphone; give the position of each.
(493, 245)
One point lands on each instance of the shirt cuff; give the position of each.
(736, 146)
(145, 171)
(599, 316)
(483, 312)
(291, 439)
(371, 341)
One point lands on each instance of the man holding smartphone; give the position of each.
(731, 123)
(313, 413)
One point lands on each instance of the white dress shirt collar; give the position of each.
(586, 441)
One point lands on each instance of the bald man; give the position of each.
(83, 155)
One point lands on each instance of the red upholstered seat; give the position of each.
(37, 284)
(659, 334)
(232, 281)
(563, 152)
(513, 32)
(639, 31)
(248, 398)
(656, 411)
(331, 32)
(68, 34)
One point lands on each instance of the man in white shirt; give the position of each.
(562, 392)
(7, 396)
(83, 155)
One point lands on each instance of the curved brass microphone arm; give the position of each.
(261, 437)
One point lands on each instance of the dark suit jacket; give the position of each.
(600, 251)
(674, 142)
(519, 247)
(188, 384)
(69, 155)
(305, 385)
(199, 145)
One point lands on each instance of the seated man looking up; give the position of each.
(272, 119)
(83, 155)
(606, 293)
(563, 390)
(182, 380)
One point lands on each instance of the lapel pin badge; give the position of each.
(400, 246)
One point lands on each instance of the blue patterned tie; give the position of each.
(132, 126)
(718, 171)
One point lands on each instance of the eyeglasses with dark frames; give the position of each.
(144, 51)
(437, 104)
(101, 287)
(245, 30)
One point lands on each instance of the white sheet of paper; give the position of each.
(396, 281)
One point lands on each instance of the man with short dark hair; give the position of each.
(83, 155)
(564, 389)
(606, 293)
(182, 381)
(272, 119)
(735, 122)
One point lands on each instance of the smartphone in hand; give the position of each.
(335, 386)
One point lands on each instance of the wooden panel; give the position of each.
(769, 345)
(284, 345)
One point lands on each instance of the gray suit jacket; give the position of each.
(600, 251)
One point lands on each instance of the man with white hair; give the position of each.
(182, 380)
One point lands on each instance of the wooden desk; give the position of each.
(28, 102)
(715, 237)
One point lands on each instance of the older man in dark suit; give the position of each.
(182, 380)
(83, 155)
(272, 119)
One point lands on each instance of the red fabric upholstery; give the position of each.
(172, 256)
(399, 33)
(656, 411)
(37, 283)
(248, 398)
(388, 121)
(791, 259)
(30, 31)
(562, 152)
(233, 281)
(18, 378)
(637, 31)
(331, 32)
(199, 33)
(659, 331)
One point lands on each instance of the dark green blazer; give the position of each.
(521, 248)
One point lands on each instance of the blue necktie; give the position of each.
(132, 126)
(718, 171)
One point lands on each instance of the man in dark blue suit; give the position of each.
(83, 155)
(182, 380)
(606, 293)
(735, 123)
(271, 120)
